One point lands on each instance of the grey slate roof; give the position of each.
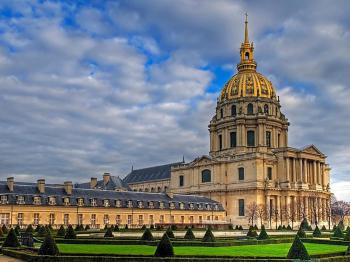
(29, 190)
(148, 174)
(114, 183)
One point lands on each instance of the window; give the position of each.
(266, 109)
(118, 220)
(200, 219)
(52, 219)
(150, 204)
(118, 203)
(3, 199)
(152, 189)
(206, 176)
(140, 220)
(161, 205)
(269, 173)
(216, 218)
(233, 110)
(151, 220)
(37, 200)
(80, 202)
(66, 201)
(250, 109)
(221, 113)
(172, 205)
(279, 140)
(208, 218)
(36, 219)
(216, 207)
(247, 56)
(233, 139)
(4, 218)
(20, 219)
(191, 206)
(130, 203)
(106, 203)
(172, 219)
(159, 189)
(241, 173)
(129, 219)
(207, 207)
(181, 180)
(52, 200)
(93, 220)
(250, 138)
(182, 205)
(140, 204)
(161, 219)
(80, 219)
(220, 141)
(182, 219)
(20, 200)
(93, 202)
(268, 138)
(106, 219)
(66, 219)
(241, 207)
(200, 206)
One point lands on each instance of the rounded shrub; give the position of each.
(170, 233)
(298, 250)
(338, 233)
(48, 247)
(317, 232)
(208, 236)
(263, 234)
(147, 235)
(11, 239)
(109, 233)
(61, 231)
(301, 233)
(164, 247)
(70, 234)
(189, 234)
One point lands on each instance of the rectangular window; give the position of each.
(268, 138)
(161, 219)
(3, 199)
(233, 139)
(279, 140)
(191, 219)
(200, 219)
(208, 218)
(140, 220)
(52, 219)
(37, 200)
(220, 142)
(93, 202)
(151, 221)
(182, 219)
(106, 219)
(52, 200)
(241, 173)
(241, 207)
(250, 138)
(66, 219)
(36, 219)
(93, 220)
(20, 219)
(80, 202)
(118, 220)
(80, 219)
(4, 218)
(172, 219)
(181, 180)
(269, 173)
(20, 200)
(129, 219)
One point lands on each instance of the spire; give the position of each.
(246, 38)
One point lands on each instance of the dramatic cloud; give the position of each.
(101, 86)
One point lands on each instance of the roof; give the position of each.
(114, 183)
(153, 173)
(30, 190)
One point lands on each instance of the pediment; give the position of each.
(311, 149)
(203, 160)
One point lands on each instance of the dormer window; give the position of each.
(182, 206)
(130, 204)
(66, 201)
(3, 199)
(140, 204)
(52, 200)
(20, 200)
(216, 207)
(118, 203)
(93, 202)
(150, 204)
(106, 203)
(191, 206)
(172, 205)
(80, 202)
(208, 207)
(37, 200)
(161, 205)
(200, 207)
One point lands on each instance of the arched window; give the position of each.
(206, 176)
(250, 138)
(250, 109)
(266, 109)
(152, 189)
(233, 110)
(221, 113)
(247, 55)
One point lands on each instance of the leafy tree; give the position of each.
(11, 239)
(252, 232)
(109, 233)
(189, 234)
(147, 235)
(301, 233)
(4, 229)
(164, 247)
(298, 250)
(49, 247)
(208, 236)
(170, 233)
(317, 232)
(70, 234)
(338, 233)
(263, 234)
(61, 231)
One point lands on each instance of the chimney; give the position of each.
(106, 177)
(10, 183)
(41, 185)
(68, 187)
(93, 182)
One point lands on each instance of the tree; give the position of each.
(263, 234)
(301, 233)
(147, 235)
(208, 236)
(164, 247)
(304, 224)
(61, 231)
(252, 212)
(317, 232)
(347, 235)
(189, 234)
(70, 234)
(49, 247)
(109, 233)
(261, 213)
(338, 233)
(298, 250)
(170, 233)
(11, 239)
(292, 214)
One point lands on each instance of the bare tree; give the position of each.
(292, 214)
(261, 213)
(252, 212)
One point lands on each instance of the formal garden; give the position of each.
(113, 243)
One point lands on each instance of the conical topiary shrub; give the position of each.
(317, 232)
(116, 228)
(252, 232)
(29, 229)
(164, 247)
(49, 247)
(240, 228)
(37, 228)
(338, 233)
(189, 234)
(147, 235)
(17, 230)
(301, 233)
(11, 239)
(230, 227)
(61, 231)
(109, 233)
(70, 234)
(298, 250)
(334, 228)
(289, 227)
(170, 233)
(279, 227)
(347, 235)
(208, 236)
(323, 228)
(4, 229)
(263, 234)
(42, 231)
(87, 227)
(304, 224)
(341, 225)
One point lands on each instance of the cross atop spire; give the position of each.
(246, 38)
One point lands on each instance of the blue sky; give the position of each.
(94, 86)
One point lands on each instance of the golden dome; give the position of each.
(247, 82)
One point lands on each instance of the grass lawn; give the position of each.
(278, 250)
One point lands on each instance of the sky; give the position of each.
(88, 87)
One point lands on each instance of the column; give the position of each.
(301, 170)
(315, 173)
(278, 206)
(294, 170)
(306, 179)
(319, 173)
(287, 169)
(288, 205)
